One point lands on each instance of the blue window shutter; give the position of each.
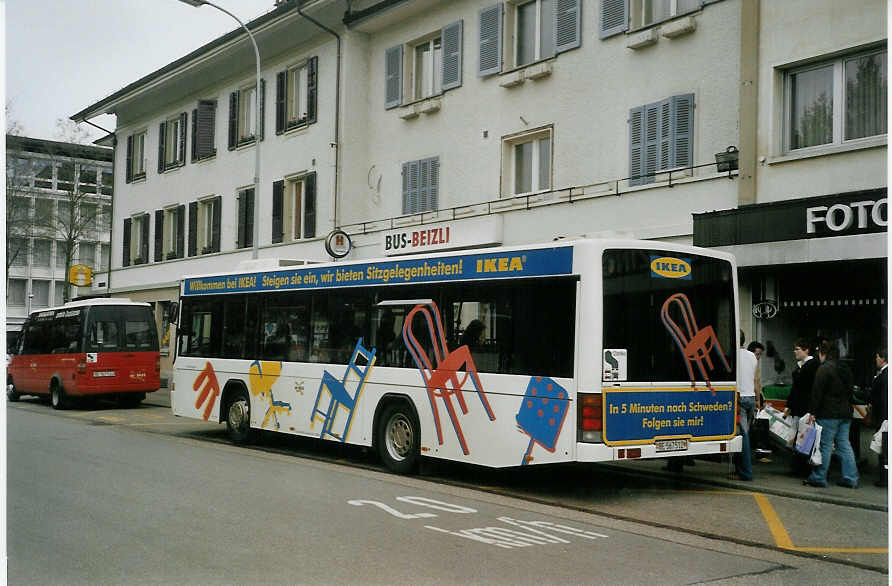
(614, 18)
(636, 145)
(567, 24)
(683, 130)
(451, 64)
(651, 140)
(393, 76)
(434, 184)
(424, 185)
(410, 187)
(664, 157)
(490, 41)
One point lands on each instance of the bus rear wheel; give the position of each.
(11, 394)
(238, 419)
(57, 397)
(397, 438)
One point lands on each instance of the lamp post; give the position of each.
(256, 223)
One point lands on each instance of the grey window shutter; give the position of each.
(490, 41)
(181, 160)
(206, 128)
(424, 185)
(410, 187)
(281, 77)
(636, 146)
(128, 177)
(312, 84)
(567, 24)
(181, 221)
(215, 233)
(159, 235)
(278, 211)
(451, 64)
(193, 228)
(651, 140)
(125, 258)
(233, 120)
(433, 197)
(393, 76)
(664, 160)
(242, 220)
(144, 248)
(310, 205)
(614, 18)
(683, 130)
(249, 217)
(194, 142)
(162, 140)
(262, 106)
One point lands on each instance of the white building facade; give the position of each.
(41, 175)
(431, 125)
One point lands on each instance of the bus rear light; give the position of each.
(723, 447)
(590, 416)
(633, 453)
(81, 367)
(620, 454)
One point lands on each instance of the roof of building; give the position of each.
(52, 147)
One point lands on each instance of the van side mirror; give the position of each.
(173, 312)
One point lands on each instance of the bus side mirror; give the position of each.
(173, 312)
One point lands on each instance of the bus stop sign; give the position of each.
(80, 275)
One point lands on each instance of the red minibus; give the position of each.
(87, 349)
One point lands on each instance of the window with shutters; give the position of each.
(204, 126)
(421, 185)
(661, 137)
(139, 239)
(173, 233)
(526, 166)
(296, 95)
(247, 115)
(836, 101)
(208, 225)
(173, 143)
(518, 33)
(136, 156)
(424, 67)
(245, 213)
(645, 13)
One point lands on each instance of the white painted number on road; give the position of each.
(391, 510)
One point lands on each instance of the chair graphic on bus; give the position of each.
(696, 344)
(339, 396)
(442, 379)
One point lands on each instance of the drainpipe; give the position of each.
(336, 143)
(111, 224)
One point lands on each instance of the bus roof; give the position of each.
(106, 301)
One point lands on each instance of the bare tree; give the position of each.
(70, 131)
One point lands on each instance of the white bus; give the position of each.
(587, 351)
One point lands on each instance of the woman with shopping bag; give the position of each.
(830, 406)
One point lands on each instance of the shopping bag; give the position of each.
(876, 443)
(805, 437)
(782, 428)
(815, 458)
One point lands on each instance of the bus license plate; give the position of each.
(673, 445)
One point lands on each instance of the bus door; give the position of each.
(121, 346)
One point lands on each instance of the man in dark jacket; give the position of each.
(800, 393)
(879, 401)
(831, 406)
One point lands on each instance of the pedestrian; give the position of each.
(879, 401)
(760, 426)
(747, 373)
(831, 407)
(800, 394)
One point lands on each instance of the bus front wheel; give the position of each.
(57, 397)
(11, 394)
(238, 420)
(398, 438)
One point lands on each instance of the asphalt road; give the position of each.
(138, 497)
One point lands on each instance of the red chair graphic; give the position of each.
(442, 380)
(695, 344)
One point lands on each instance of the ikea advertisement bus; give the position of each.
(578, 351)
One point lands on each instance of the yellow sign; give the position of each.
(670, 267)
(80, 275)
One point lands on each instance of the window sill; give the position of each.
(296, 128)
(666, 22)
(425, 106)
(173, 166)
(823, 151)
(244, 144)
(205, 158)
(141, 178)
(536, 70)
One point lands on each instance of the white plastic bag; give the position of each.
(815, 458)
(782, 428)
(876, 444)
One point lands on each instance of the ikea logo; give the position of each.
(669, 267)
(500, 264)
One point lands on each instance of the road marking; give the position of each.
(781, 537)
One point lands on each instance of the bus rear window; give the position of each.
(657, 303)
(121, 328)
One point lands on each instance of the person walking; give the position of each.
(831, 407)
(747, 367)
(800, 394)
(879, 401)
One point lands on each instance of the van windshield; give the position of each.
(121, 329)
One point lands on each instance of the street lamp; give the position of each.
(257, 123)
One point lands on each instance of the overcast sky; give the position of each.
(64, 55)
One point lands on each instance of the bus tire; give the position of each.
(58, 399)
(397, 437)
(238, 419)
(11, 394)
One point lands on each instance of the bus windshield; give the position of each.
(121, 329)
(650, 313)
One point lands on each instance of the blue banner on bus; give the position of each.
(643, 416)
(494, 265)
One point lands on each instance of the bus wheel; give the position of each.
(238, 419)
(397, 438)
(57, 397)
(11, 395)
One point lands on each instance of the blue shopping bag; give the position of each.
(805, 439)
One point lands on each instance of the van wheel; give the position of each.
(238, 419)
(397, 438)
(11, 394)
(57, 397)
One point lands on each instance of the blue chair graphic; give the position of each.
(340, 396)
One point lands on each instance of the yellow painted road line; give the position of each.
(781, 538)
(842, 549)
